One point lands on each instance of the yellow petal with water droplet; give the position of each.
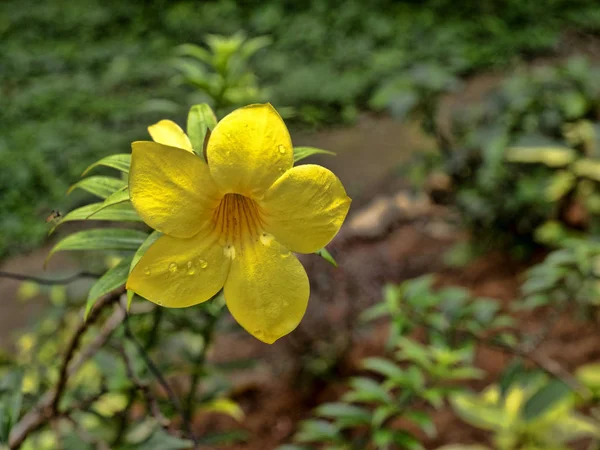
(167, 274)
(266, 292)
(305, 208)
(168, 132)
(249, 149)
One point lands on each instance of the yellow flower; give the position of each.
(233, 222)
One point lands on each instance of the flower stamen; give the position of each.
(236, 219)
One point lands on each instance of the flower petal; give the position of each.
(168, 132)
(267, 289)
(180, 272)
(305, 208)
(171, 189)
(249, 149)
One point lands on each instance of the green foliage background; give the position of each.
(82, 79)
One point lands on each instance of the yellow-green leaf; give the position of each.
(118, 212)
(550, 156)
(101, 239)
(200, 119)
(120, 196)
(98, 185)
(305, 152)
(111, 280)
(120, 161)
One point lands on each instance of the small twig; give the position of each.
(198, 364)
(48, 281)
(143, 387)
(46, 408)
(160, 378)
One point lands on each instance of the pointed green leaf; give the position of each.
(323, 253)
(350, 415)
(588, 168)
(151, 239)
(550, 156)
(101, 239)
(119, 212)
(305, 152)
(383, 367)
(99, 185)
(120, 196)
(200, 119)
(111, 280)
(543, 399)
(120, 161)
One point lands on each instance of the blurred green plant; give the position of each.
(534, 413)
(417, 375)
(221, 71)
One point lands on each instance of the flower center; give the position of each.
(237, 218)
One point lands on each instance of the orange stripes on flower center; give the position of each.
(237, 218)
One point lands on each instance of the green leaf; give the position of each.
(111, 280)
(223, 438)
(316, 431)
(101, 239)
(559, 185)
(151, 239)
(161, 440)
(549, 156)
(120, 161)
(383, 366)
(11, 398)
(510, 374)
(374, 312)
(383, 413)
(123, 212)
(323, 253)
(348, 415)
(424, 421)
(588, 168)
(224, 406)
(120, 196)
(100, 186)
(305, 152)
(200, 119)
(366, 390)
(544, 398)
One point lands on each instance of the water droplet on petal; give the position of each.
(285, 252)
(281, 149)
(147, 270)
(190, 268)
(173, 267)
(203, 264)
(266, 238)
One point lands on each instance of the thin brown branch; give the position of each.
(144, 388)
(160, 379)
(47, 407)
(48, 281)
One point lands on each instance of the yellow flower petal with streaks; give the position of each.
(168, 132)
(305, 208)
(171, 189)
(267, 289)
(248, 150)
